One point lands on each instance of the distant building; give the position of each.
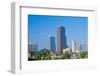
(67, 50)
(73, 46)
(78, 50)
(73, 53)
(61, 39)
(32, 47)
(81, 47)
(52, 45)
(85, 47)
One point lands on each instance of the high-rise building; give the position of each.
(52, 45)
(73, 46)
(61, 39)
(32, 47)
(73, 53)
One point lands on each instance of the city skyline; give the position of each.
(40, 27)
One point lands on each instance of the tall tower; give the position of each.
(61, 39)
(73, 53)
(52, 46)
(73, 46)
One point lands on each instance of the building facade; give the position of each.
(73, 53)
(61, 39)
(32, 47)
(52, 45)
(73, 46)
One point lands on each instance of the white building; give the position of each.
(73, 53)
(73, 46)
(77, 50)
(67, 50)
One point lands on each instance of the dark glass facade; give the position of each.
(52, 45)
(61, 39)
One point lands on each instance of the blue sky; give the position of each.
(40, 27)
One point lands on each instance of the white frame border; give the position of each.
(16, 29)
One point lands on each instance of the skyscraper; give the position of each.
(73, 53)
(52, 45)
(61, 39)
(73, 46)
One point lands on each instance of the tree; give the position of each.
(38, 55)
(66, 55)
(45, 54)
(83, 54)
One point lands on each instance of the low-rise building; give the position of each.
(67, 50)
